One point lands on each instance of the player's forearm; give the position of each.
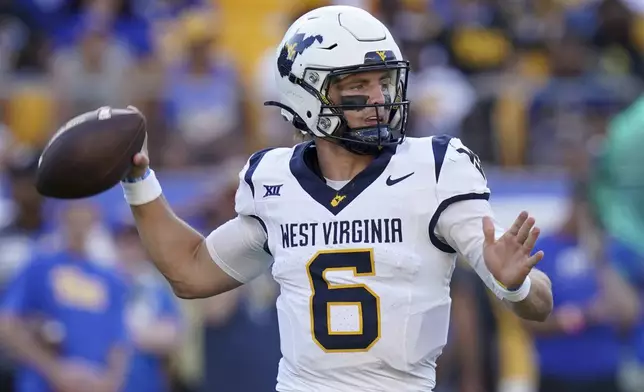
(15, 336)
(537, 306)
(171, 244)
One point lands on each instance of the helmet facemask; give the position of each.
(390, 115)
(332, 121)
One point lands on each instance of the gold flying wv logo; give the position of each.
(337, 200)
(290, 50)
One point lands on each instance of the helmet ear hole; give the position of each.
(299, 123)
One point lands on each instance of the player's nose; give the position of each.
(376, 96)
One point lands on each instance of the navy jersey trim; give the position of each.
(441, 207)
(261, 222)
(253, 162)
(314, 184)
(439, 147)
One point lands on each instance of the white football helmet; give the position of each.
(331, 42)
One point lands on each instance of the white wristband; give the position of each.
(517, 295)
(141, 190)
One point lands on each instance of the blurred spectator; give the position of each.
(152, 317)
(95, 72)
(630, 265)
(442, 96)
(99, 245)
(565, 110)
(468, 363)
(617, 48)
(62, 318)
(522, 82)
(22, 224)
(154, 10)
(579, 346)
(119, 18)
(204, 98)
(23, 221)
(475, 34)
(23, 44)
(241, 333)
(533, 23)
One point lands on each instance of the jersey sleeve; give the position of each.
(459, 177)
(238, 247)
(461, 227)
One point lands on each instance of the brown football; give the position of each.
(91, 153)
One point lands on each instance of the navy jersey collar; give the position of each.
(305, 168)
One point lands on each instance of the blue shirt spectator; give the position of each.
(579, 345)
(85, 302)
(153, 317)
(631, 266)
(587, 351)
(151, 305)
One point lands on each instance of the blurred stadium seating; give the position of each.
(529, 85)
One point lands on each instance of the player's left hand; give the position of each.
(509, 258)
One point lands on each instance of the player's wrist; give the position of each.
(513, 287)
(517, 294)
(133, 177)
(143, 189)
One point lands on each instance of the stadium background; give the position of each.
(529, 85)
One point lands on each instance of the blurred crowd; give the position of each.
(529, 85)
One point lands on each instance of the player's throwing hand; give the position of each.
(140, 161)
(509, 258)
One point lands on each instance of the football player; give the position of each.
(359, 225)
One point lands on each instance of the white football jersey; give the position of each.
(365, 301)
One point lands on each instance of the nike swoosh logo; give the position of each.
(391, 182)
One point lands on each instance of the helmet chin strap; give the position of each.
(297, 120)
(356, 139)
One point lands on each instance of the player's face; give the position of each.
(373, 87)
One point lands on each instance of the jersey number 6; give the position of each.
(325, 295)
